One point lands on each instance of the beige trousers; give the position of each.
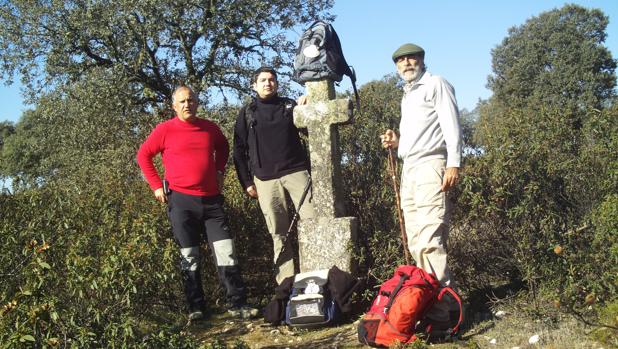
(273, 203)
(426, 217)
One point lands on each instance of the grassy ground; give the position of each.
(511, 330)
(482, 329)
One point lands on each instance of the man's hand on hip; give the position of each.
(451, 177)
(160, 195)
(252, 191)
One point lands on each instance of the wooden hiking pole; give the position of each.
(392, 169)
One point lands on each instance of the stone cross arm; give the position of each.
(331, 112)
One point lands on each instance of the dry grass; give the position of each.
(511, 330)
(514, 331)
(257, 334)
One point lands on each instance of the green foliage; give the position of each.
(589, 258)
(100, 265)
(590, 253)
(535, 188)
(608, 333)
(536, 200)
(468, 120)
(73, 124)
(220, 344)
(557, 59)
(87, 250)
(85, 260)
(90, 257)
(155, 44)
(6, 129)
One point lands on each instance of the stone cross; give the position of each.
(325, 240)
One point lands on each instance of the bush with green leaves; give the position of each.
(535, 198)
(85, 261)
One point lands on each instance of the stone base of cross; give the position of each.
(324, 242)
(327, 239)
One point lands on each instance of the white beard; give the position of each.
(411, 75)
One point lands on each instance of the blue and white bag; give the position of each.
(310, 303)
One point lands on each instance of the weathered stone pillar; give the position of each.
(325, 240)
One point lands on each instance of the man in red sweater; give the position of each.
(194, 153)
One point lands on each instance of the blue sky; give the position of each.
(457, 35)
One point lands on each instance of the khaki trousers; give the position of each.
(426, 217)
(273, 203)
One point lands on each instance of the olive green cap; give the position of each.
(408, 49)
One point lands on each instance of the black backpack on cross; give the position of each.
(319, 56)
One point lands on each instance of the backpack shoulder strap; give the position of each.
(343, 64)
(391, 297)
(289, 105)
(458, 300)
(289, 102)
(249, 108)
(352, 76)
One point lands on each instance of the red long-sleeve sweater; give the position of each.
(192, 153)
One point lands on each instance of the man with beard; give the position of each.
(194, 153)
(430, 145)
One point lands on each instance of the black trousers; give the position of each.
(194, 218)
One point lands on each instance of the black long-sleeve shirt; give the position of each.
(267, 145)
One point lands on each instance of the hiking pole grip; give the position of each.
(392, 165)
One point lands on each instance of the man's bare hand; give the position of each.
(389, 139)
(160, 195)
(252, 191)
(302, 100)
(451, 177)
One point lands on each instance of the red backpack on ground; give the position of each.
(402, 302)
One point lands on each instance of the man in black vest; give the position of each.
(271, 162)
